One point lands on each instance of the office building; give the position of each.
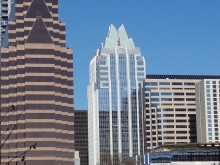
(113, 115)
(182, 155)
(169, 109)
(37, 78)
(208, 110)
(81, 135)
(5, 6)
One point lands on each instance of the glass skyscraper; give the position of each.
(5, 6)
(113, 110)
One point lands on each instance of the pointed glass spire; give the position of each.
(118, 38)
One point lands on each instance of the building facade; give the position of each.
(208, 110)
(37, 78)
(113, 115)
(188, 156)
(5, 6)
(169, 109)
(81, 135)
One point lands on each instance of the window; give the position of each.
(164, 83)
(155, 99)
(181, 126)
(178, 99)
(168, 132)
(154, 105)
(167, 109)
(166, 99)
(207, 82)
(151, 84)
(191, 109)
(190, 99)
(168, 115)
(168, 121)
(191, 115)
(176, 93)
(181, 137)
(189, 83)
(181, 132)
(168, 126)
(190, 94)
(168, 137)
(180, 121)
(180, 109)
(154, 94)
(180, 115)
(177, 83)
(166, 93)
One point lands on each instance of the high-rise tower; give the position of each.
(113, 115)
(5, 7)
(37, 78)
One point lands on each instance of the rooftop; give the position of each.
(199, 77)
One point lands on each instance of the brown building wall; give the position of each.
(37, 78)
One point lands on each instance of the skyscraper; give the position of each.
(5, 7)
(37, 78)
(208, 110)
(170, 108)
(113, 115)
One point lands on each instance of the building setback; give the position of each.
(37, 78)
(113, 115)
(208, 110)
(169, 109)
(81, 135)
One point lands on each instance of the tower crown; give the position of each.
(118, 38)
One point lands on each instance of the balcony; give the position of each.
(2, 29)
(3, 23)
(4, 8)
(4, 2)
(4, 14)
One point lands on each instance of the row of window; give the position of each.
(213, 82)
(169, 94)
(168, 83)
(149, 89)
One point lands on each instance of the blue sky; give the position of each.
(175, 36)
